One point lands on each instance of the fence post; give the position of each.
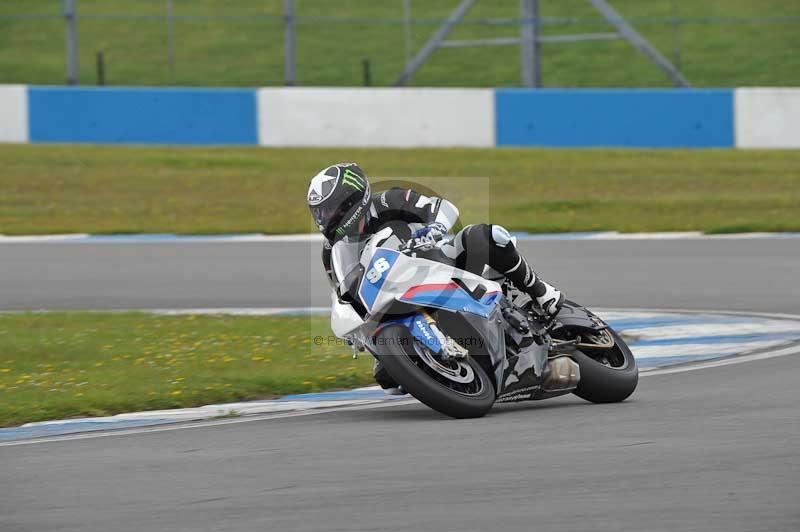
(101, 69)
(289, 41)
(71, 18)
(530, 52)
(171, 38)
(367, 73)
(676, 26)
(407, 29)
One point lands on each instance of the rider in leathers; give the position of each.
(343, 206)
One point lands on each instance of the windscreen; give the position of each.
(345, 257)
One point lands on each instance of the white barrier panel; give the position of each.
(767, 118)
(13, 113)
(375, 117)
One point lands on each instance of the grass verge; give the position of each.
(115, 189)
(67, 364)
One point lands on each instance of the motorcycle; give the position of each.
(459, 342)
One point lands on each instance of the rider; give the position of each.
(343, 206)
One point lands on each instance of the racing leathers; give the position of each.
(472, 248)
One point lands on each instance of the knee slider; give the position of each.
(500, 236)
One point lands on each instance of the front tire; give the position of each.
(607, 376)
(405, 360)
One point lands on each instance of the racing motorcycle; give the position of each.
(459, 342)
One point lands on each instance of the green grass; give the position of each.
(67, 364)
(75, 189)
(717, 43)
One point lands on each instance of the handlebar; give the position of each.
(423, 246)
(407, 250)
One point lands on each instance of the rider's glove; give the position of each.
(426, 237)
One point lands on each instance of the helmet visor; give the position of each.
(329, 218)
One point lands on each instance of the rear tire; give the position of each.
(607, 384)
(400, 358)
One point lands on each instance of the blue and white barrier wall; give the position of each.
(404, 117)
(13, 113)
(636, 118)
(767, 118)
(142, 116)
(376, 117)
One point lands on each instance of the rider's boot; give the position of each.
(521, 275)
(382, 377)
(548, 297)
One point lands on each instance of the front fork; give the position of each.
(450, 348)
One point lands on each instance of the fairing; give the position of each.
(395, 287)
(420, 330)
(391, 276)
(577, 317)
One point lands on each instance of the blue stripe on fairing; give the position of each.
(454, 299)
(368, 290)
(725, 338)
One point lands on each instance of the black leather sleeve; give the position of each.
(407, 205)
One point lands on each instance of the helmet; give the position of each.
(338, 197)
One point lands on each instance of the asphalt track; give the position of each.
(737, 274)
(712, 449)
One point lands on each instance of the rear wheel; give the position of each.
(607, 375)
(457, 388)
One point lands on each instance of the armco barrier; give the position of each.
(148, 116)
(403, 117)
(638, 118)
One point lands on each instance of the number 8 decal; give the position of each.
(380, 266)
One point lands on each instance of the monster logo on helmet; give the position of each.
(353, 179)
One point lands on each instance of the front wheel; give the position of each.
(456, 388)
(607, 375)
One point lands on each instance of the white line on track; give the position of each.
(316, 237)
(84, 238)
(777, 315)
(793, 350)
(202, 424)
(33, 239)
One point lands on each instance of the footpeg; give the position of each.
(516, 319)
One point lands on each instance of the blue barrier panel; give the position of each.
(609, 117)
(143, 115)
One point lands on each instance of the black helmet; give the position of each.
(338, 198)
